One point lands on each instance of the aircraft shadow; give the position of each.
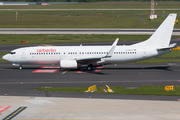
(166, 68)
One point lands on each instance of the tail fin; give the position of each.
(162, 36)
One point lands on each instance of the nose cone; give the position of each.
(5, 57)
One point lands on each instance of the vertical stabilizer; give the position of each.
(162, 36)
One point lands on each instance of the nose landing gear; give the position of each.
(20, 67)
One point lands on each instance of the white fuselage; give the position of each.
(54, 54)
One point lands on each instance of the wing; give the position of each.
(98, 59)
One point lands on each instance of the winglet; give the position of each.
(112, 49)
(115, 42)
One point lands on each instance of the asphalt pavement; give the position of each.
(80, 31)
(15, 82)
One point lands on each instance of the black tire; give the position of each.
(90, 67)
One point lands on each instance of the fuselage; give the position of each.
(54, 54)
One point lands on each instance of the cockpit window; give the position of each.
(12, 53)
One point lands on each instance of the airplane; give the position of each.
(72, 57)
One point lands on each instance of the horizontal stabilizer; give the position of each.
(169, 47)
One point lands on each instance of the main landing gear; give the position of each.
(90, 67)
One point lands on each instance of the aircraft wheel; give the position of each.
(90, 67)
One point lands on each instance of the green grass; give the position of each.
(63, 89)
(82, 19)
(154, 60)
(171, 58)
(99, 5)
(172, 54)
(143, 90)
(3, 61)
(52, 39)
(3, 53)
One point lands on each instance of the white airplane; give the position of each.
(75, 56)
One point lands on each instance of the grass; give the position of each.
(143, 90)
(3, 61)
(3, 53)
(82, 19)
(154, 60)
(172, 54)
(166, 58)
(64, 89)
(52, 39)
(99, 5)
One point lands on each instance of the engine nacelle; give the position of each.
(68, 64)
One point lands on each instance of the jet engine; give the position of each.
(68, 64)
